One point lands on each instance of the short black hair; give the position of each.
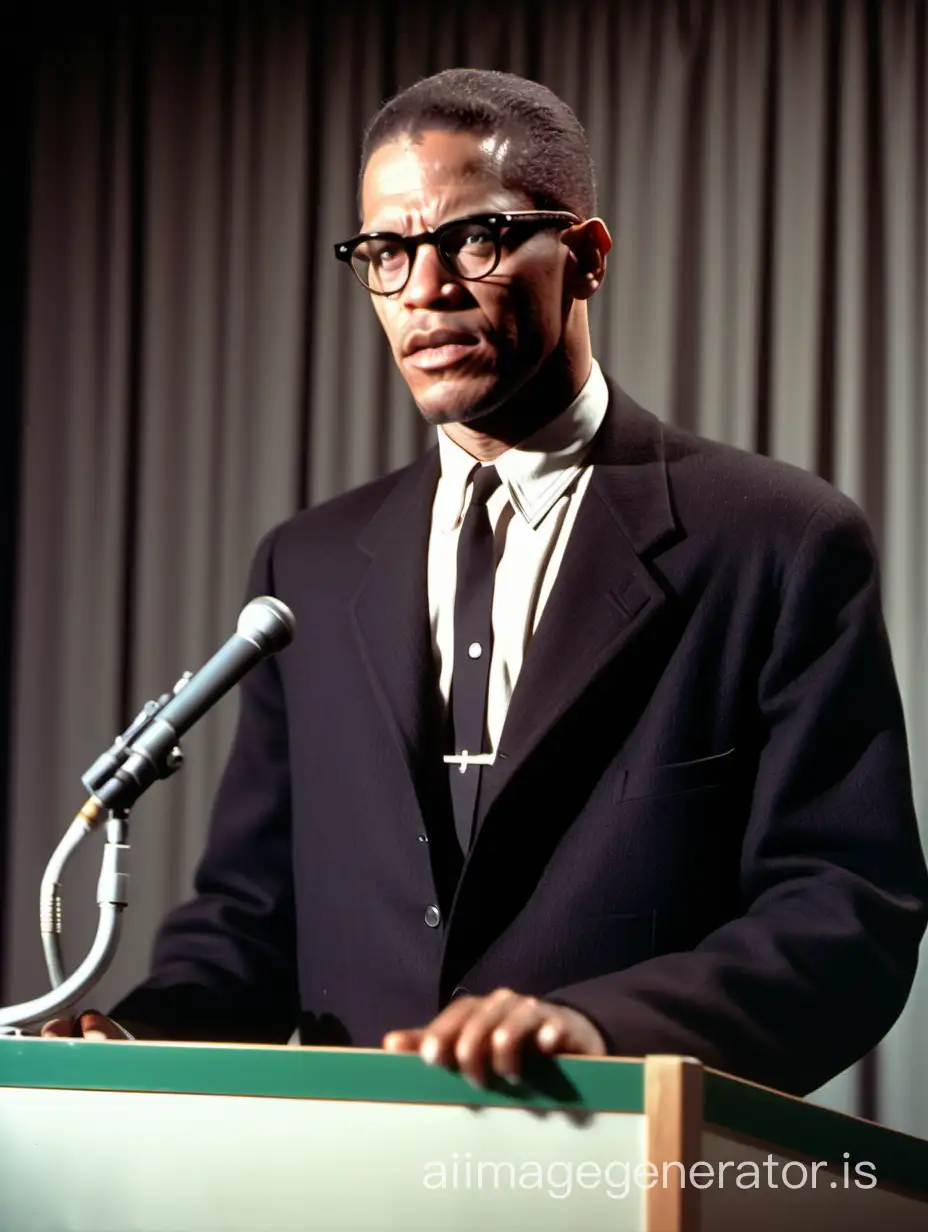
(549, 156)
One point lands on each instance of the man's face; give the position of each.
(464, 348)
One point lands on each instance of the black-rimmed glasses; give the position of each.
(470, 248)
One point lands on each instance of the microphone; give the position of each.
(265, 626)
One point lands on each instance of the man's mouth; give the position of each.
(445, 355)
(429, 350)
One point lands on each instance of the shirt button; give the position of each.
(432, 916)
(475, 650)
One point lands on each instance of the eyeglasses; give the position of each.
(470, 248)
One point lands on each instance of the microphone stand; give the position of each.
(50, 890)
(146, 751)
(112, 886)
(112, 898)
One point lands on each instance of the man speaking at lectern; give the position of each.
(589, 740)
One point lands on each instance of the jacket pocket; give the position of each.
(675, 777)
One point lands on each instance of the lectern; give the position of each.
(155, 1137)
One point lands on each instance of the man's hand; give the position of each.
(93, 1026)
(480, 1034)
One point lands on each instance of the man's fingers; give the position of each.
(474, 1033)
(58, 1028)
(567, 1030)
(90, 1026)
(553, 1036)
(507, 1041)
(95, 1026)
(438, 1040)
(403, 1041)
(435, 1041)
(472, 1048)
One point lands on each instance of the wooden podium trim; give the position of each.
(793, 1124)
(673, 1115)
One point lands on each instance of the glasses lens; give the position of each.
(470, 249)
(382, 265)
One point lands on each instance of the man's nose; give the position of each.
(429, 281)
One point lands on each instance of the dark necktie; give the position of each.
(473, 638)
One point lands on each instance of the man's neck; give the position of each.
(534, 406)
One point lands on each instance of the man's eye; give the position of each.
(388, 256)
(474, 240)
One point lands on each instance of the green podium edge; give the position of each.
(311, 1073)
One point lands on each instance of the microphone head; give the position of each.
(268, 623)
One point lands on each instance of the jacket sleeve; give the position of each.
(224, 965)
(833, 887)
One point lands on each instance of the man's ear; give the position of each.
(589, 243)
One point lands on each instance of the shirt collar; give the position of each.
(538, 471)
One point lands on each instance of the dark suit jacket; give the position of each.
(699, 828)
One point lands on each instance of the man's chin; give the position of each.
(458, 402)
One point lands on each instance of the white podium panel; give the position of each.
(188, 1163)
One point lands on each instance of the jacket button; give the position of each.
(460, 991)
(432, 916)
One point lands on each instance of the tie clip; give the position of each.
(465, 759)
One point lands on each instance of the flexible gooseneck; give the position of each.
(112, 898)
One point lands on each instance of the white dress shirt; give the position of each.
(532, 513)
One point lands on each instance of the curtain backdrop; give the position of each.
(197, 366)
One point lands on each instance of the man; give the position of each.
(589, 739)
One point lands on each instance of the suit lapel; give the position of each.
(391, 618)
(604, 594)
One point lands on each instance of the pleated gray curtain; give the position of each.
(198, 366)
